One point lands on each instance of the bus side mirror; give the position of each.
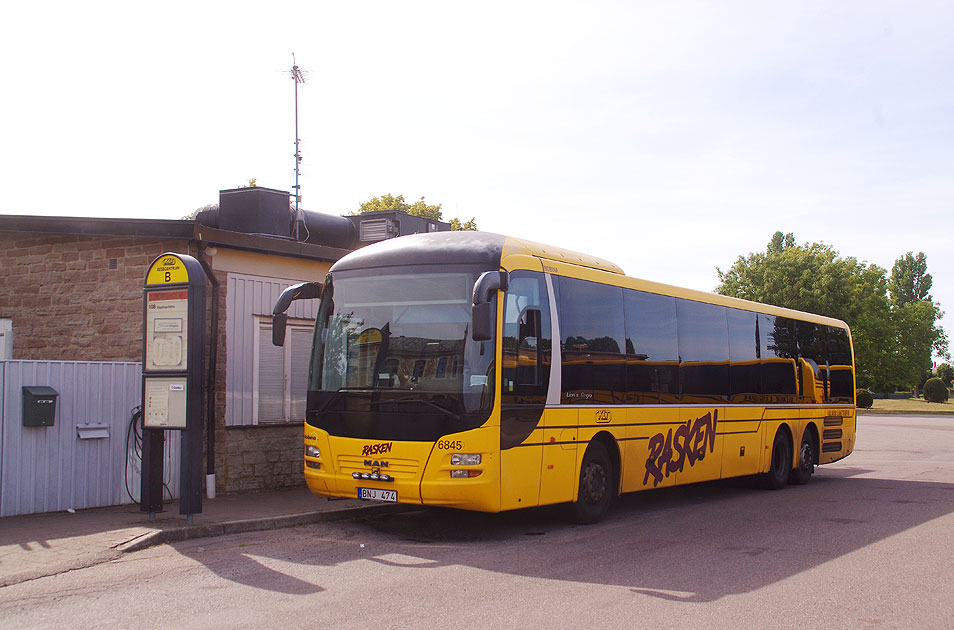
(482, 322)
(482, 316)
(303, 291)
(279, 323)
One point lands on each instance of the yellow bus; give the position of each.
(485, 372)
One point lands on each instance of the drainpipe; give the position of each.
(210, 383)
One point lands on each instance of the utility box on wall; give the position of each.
(39, 405)
(6, 339)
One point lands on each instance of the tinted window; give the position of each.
(841, 380)
(745, 373)
(592, 332)
(782, 339)
(526, 338)
(812, 342)
(652, 348)
(839, 348)
(703, 351)
(776, 355)
(813, 354)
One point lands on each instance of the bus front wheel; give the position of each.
(781, 468)
(596, 487)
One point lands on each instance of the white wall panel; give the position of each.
(247, 297)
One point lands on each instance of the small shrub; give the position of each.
(935, 390)
(863, 398)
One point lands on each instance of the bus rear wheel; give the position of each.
(596, 487)
(781, 468)
(806, 461)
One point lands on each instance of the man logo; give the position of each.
(603, 416)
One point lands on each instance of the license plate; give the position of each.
(375, 494)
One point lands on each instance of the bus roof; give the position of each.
(488, 249)
(462, 247)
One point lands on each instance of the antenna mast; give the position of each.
(297, 77)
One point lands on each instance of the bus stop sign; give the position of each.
(173, 357)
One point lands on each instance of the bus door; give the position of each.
(525, 375)
(558, 478)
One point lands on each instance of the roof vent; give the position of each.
(372, 230)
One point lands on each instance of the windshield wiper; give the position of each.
(405, 401)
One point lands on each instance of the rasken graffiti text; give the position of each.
(688, 443)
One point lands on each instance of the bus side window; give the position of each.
(593, 334)
(526, 337)
(528, 355)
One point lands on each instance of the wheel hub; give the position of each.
(594, 483)
(805, 458)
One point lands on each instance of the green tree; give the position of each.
(915, 315)
(946, 373)
(419, 208)
(780, 242)
(811, 278)
(918, 339)
(457, 226)
(910, 281)
(892, 338)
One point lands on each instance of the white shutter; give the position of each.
(271, 378)
(300, 346)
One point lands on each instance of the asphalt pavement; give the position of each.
(39, 545)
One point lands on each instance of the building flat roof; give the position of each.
(165, 228)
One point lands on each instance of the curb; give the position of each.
(178, 534)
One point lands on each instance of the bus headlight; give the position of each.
(465, 459)
(465, 474)
(312, 451)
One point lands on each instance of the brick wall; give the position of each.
(262, 457)
(66, 302)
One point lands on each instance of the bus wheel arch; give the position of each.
(817, 442)
(806, 457)
(598, 480)
(780, 462)
(612, 448)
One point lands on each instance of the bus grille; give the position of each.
(397, 468)
(832, 434)
(830, 447)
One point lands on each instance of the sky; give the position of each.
(667, 137)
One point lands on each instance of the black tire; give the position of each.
(597, 485)
(806, 461)
(777, 475)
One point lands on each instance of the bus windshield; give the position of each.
(393, 357)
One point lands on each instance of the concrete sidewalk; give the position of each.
(39, 545)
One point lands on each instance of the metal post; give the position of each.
(297, 77)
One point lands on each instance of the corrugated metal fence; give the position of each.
(88, 457)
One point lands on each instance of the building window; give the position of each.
(281, 373)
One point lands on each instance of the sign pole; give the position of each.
(173, 358)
